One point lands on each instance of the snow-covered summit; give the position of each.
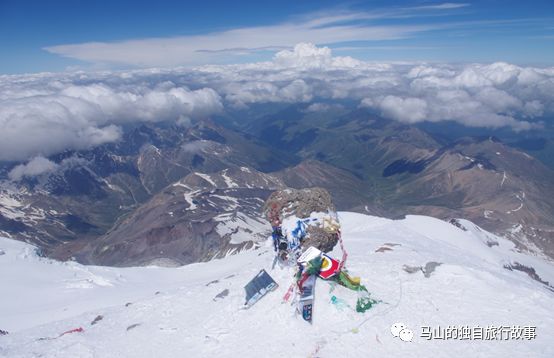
(426, 272)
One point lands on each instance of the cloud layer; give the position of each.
(324, 27)
(47, 113)
(478, 95)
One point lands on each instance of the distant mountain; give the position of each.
(405, 170)
(200, 217)
(485, 181)
(91, 190)
(111, 204)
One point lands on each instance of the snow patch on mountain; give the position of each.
(13, 207)
(228, 181)
(207, 178)
(189, 198)
(10, 206)
(241, 228)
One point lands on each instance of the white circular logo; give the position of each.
(396, 328)
(406, 335)
(402, 331)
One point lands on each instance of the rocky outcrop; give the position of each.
(298, 202)
(302, 203)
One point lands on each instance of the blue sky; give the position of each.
(59, 35)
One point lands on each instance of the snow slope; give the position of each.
(195, 310)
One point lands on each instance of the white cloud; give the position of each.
(36, 166)
(497, 100)
(322, 107)
(309, 56)
(533, 109)
(322, 28)
(493, 95)
(410, 110)
(46, 113)
(39, 166)
(443, 6)
(335, 26)
(196, 146)
(296, 91)
(41, 116)
(304, 55)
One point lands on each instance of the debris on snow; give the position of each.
(430, 268)
(530, 272)
(412, 269)
(258, 287)
(427, 270)
(75, 330)
(457, 223)
(222, 294)
(387, 247)
(96, 320)
(133, 326)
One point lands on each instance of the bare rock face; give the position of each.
(301, 203)
(298, 202)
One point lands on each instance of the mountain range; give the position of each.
(173, 195)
